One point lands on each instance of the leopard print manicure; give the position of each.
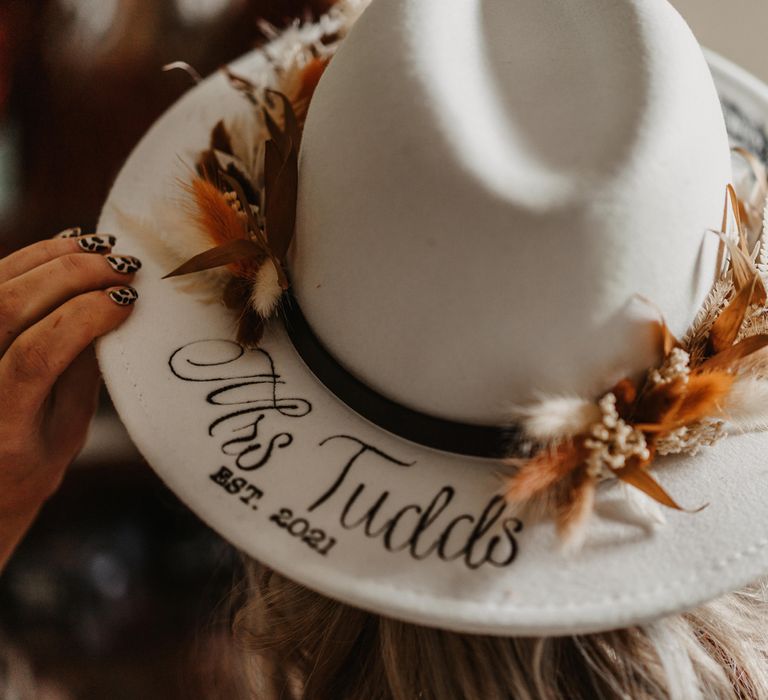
(125, 264)
(96, 243)
(75, 232)
(124, 296)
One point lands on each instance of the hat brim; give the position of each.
(272, 461)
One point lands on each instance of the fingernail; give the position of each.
(123, 296)
(70, 233)
(96, 243)
(126, 264)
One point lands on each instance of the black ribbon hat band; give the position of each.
(493, 442)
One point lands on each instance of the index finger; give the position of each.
(26, 259)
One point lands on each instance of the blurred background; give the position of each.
(119, 592)
(736, 29)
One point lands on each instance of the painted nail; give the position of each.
(70, 233)
(96, 243)
(124, 296)
(126, 264)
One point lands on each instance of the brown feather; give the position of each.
(277, 136)
(281, 180)
(656, 404)
(310, 77)
(665, 340)
(281, 207)
(626, 396)
(247, 88)
(237, 293)
(214, 216)
(207, 166)
(544, 471)
(291, 129)
(240, 255)
(220, 139)
(677, 404)
(703, 396)
(250, 328)
(637, 475)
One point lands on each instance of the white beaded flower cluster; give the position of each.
(676, 366)
(612, 441)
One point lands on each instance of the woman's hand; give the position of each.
(56, 297)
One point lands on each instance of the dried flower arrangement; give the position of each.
(251, 229)
(243, 199)
(716, 376)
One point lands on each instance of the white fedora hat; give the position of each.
(485, 190)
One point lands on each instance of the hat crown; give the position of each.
(485, 186)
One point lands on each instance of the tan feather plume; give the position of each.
(576, 510)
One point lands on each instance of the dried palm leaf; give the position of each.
(726, 327)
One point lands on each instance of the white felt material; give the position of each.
(515, 172)
(256, 446)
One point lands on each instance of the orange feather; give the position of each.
(677, 404)
(543, 471)
(704, 396)
(214, 216)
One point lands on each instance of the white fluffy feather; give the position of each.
(266, 290)
(746, 406)
(557, 417)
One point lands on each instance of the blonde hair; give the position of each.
(297, 645)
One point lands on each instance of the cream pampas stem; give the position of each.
(266, 290)
(575, 514)
(558, 417)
